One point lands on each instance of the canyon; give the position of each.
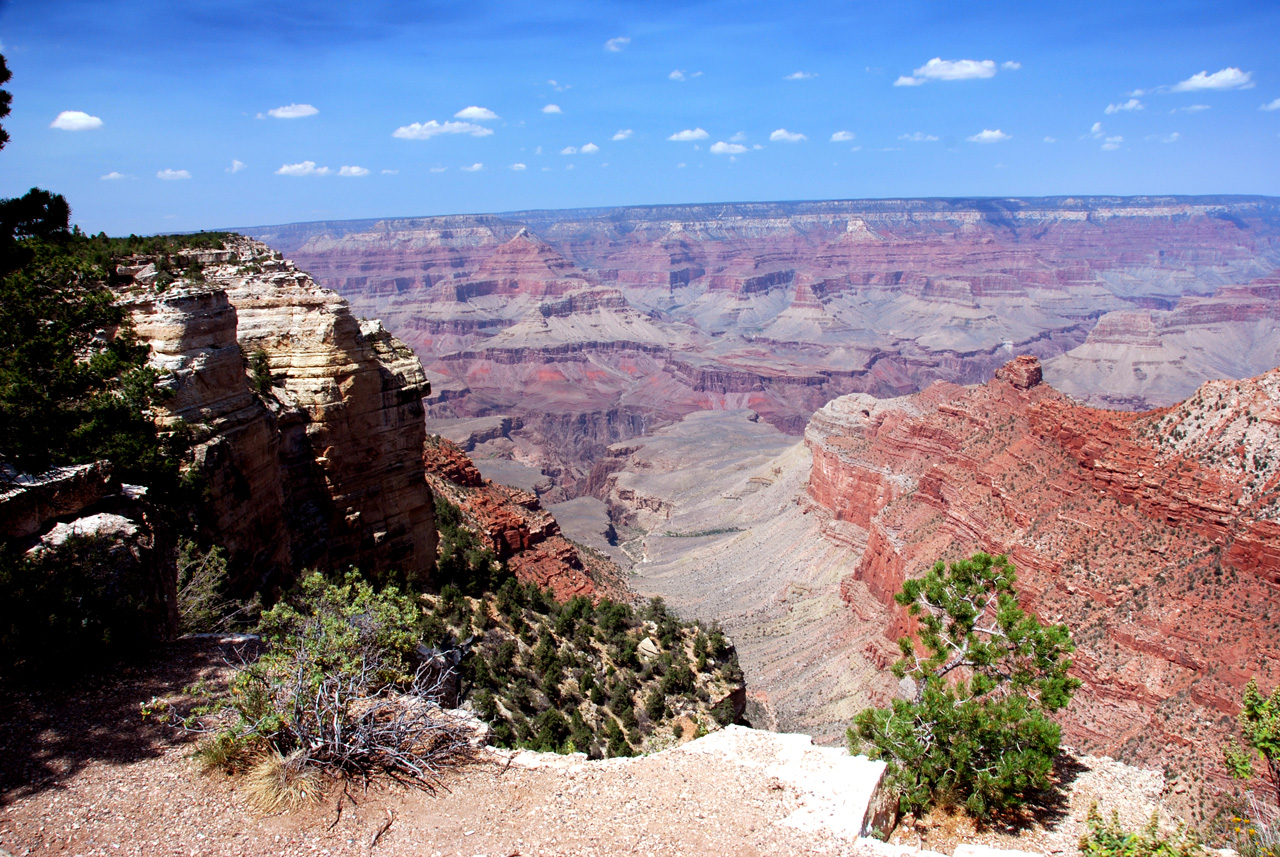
(588, 327)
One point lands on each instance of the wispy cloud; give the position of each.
(1010, 65)
(589, 149)
(113, 176)
(1165, 138)
(552, 108)
(1191, 108)
(677, 74)
(569, 150)
(1272, 105)
(689, 135)
(439, 169)
(1051, 139)
(352, 172)
(292, 111)
(723, 148)
(474, 168)
(617, 44)
(842, 136)
(427, 130)
(1112, 143)
(906, 80)
(1227, 78)
(623, 134)
(918, 137)
(173, 175)
(476, 114)
(391, 172)
(236, 166)
(1131, 104)
(940, 69)
(75, 120)
(304, 168)
(801, 75)
(782, 135)
(518, 167)
(988, 135)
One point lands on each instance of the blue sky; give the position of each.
(155, 115)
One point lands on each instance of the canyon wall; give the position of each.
(594, 326)
(1151, 535)
(307, 422)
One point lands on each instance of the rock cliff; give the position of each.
(513, 524)
(1152, 536)
(307, 421)
(594, 326)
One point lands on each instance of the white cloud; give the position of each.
(474, 168)
(1010, 65)
(292, 111)
(689, 135)
(391, 172)
(173, 175)
(479, 114)
(75, 120)
(740, 137)
(617, 44)
(305, 168)
(681, 165)
(678, 74)
(904, 80)
(569, 150)
(623, 134)
(842, 137)
(989, 136)
(427, 130)
(782, 135)
(1166, 138)
(1192, 108)
(1051, 139)
(1096, 131)
(1227, 78)
(918, 137)
(236, 166)
(352, 172)
(113, 176)
(1131, 104)
(589, 149)
(1274, 105)
(940, 69)
(552, 108)
(1112, 143)
(727, 148)
(518, 167)
(439, 169)
(801, 75)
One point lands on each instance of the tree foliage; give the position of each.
(986, 675)
(1259, 722)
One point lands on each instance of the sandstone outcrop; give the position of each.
(307, 421)
(616, 321)
(1152, 536)
(513, 524)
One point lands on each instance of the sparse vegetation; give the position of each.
(1106, 838)
(1259, 723)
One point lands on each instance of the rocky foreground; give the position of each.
(83, 774)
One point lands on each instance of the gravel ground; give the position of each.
(84, 774)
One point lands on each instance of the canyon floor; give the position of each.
(82, 773)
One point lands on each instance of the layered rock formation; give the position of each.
(307, 421)
(594, 326)
(1152, 536)
(513, 524)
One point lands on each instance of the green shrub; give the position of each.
(1109, 839)
(977, 732)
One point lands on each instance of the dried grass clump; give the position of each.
(277, 783)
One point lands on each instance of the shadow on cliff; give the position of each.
(51, 732)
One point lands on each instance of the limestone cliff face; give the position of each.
(1152, 536)
(308, 421)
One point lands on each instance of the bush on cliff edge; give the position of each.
(987, 675)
